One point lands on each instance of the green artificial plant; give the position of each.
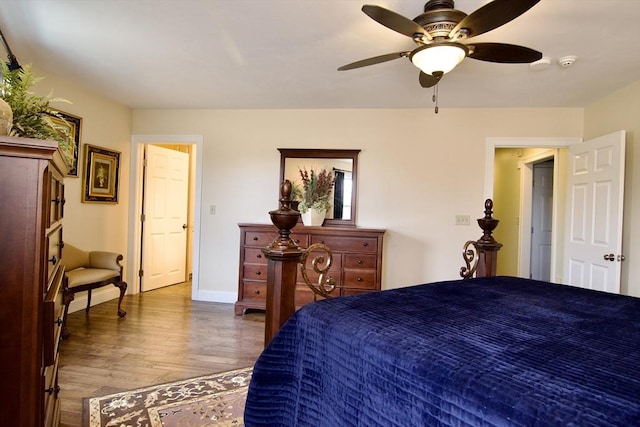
(31, 114)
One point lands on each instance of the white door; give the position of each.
(593, 234)
(541, 220)
(164, 229)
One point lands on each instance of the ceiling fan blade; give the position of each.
(395, 21)
(427, 80)
(374, 60)
(503, 53)
(492, 15)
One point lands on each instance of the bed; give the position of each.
(483, 351)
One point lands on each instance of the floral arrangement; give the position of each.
(316, 190)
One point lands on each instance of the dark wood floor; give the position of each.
(164, 337)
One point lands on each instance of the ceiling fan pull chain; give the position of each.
(434, 98)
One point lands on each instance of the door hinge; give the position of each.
(140, 273)
(142, 218)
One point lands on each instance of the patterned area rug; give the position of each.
(213, 400)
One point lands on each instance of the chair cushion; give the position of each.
(83, 276)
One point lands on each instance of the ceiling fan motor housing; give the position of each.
(439, 18)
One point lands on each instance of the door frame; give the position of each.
(527, 142)
(135, 203)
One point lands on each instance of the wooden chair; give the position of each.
(88, 270)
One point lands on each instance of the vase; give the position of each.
(6, 117)
(313, 217)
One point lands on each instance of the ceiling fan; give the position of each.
(439, 33)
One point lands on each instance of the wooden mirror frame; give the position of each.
(312, 153)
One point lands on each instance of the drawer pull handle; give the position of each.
(257, 292)
(359, 279)
(258, 273)
(296, 241)
(255, 239)
(359, 261)
(322, 241)
(259, 256)
(365, 244)
(58, 322)
(52, 390)
(53, 260)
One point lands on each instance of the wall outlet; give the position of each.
(212, 209)
(463, 220)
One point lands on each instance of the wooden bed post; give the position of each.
(487, 246)
(283, 255)
(481, 256)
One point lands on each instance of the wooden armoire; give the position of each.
(32, 205)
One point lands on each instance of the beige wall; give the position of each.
(621, 111)
(417, 171)
(105, 124)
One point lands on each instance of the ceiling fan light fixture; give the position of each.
(441, 57)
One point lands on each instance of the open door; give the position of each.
(595, 196)
(164, 229)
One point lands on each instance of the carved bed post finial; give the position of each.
(481, 256)
(282, 256)
(488, 223)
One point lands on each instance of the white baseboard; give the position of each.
(98, 296)
(213, 296)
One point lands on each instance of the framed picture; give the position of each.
(100, 177)
(70, 152)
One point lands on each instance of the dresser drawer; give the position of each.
(54, 250)
(313, 276)
(56, 199)
(254, 291)
(362, 279)
(51, 393)
(348, 243)
(254, 271)
(300, 239)
(254, 256)
(259, 238)
(53, 313)
(360, 261)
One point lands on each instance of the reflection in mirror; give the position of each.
(343, 164)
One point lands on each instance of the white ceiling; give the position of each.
(255, 54)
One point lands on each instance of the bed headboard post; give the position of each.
(487, 246)
(283, 255)
(481, 256)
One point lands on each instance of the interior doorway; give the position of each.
(519, 219)
(136, 197)
(167, 212)
(542, 220)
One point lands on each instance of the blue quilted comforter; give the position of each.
(482, 352)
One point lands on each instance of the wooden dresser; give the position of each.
(32, 194)
(357, 261)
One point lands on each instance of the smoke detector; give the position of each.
(567, 61)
